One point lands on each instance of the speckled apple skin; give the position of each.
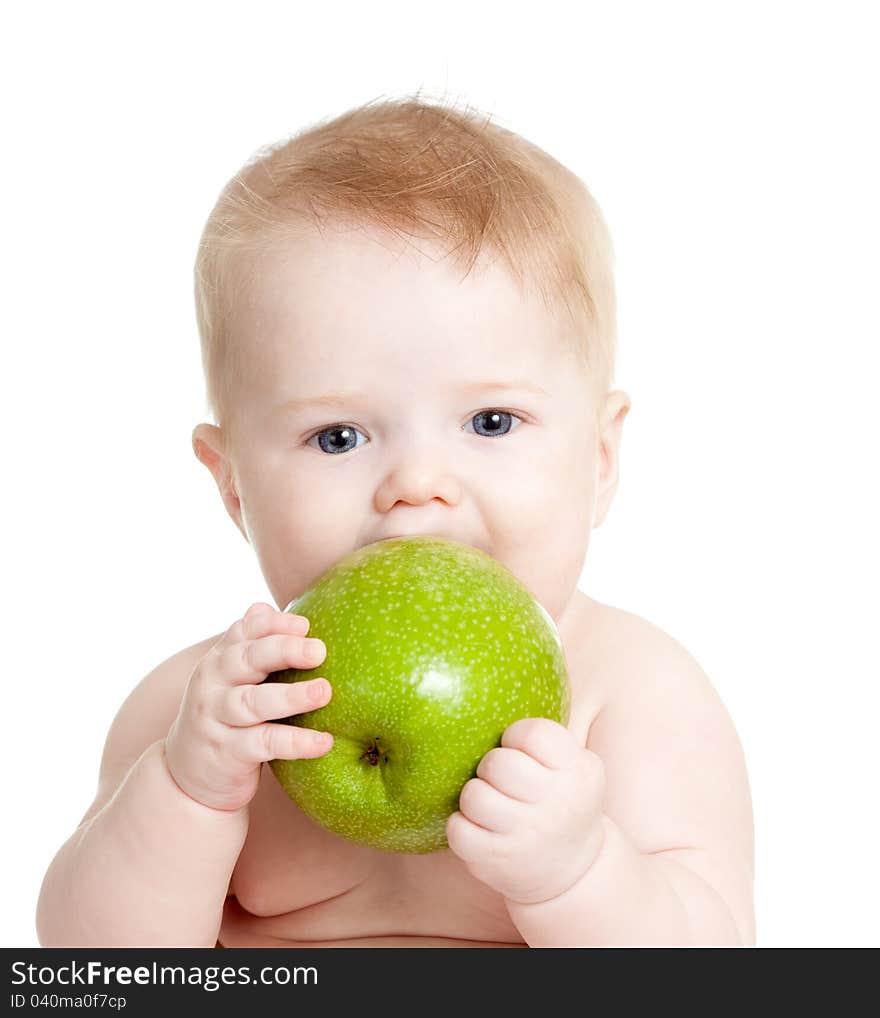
(433, 649)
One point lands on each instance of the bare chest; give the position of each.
(295, 883)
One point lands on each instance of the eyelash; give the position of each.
(488, 410)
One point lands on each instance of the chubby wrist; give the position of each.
(151, 812)
(155, 756)
(622, 899)
(573, 887)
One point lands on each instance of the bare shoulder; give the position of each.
(627, 657)
(145, 716)
(649, 678)
(676, 776)
(610, 650)
(614, 639)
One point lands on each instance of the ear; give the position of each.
(208, 442)
(616, 406)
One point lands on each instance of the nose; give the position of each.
(418, 478)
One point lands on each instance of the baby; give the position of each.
(407, 319)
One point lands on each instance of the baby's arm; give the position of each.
(151, 861)
(641, 836)
(676, 864)
(150, 866)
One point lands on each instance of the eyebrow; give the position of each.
(335, 399)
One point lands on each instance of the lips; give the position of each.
(392, 537)
(445, 537)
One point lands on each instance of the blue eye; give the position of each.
(343, 437)
(495, 422)
(339, 438)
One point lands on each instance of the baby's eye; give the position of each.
(493, 423)
(339, 438)
(343, 437)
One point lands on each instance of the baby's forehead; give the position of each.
(344, 254)
(343, 277)
(323, 310)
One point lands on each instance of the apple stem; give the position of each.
(373, 753)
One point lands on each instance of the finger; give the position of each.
(261, 619)
(258, 608)
(546, 741)
(251, 704)
(469, 841)
(253, 660)
(482, 804)
(262, 743)
(514, 773)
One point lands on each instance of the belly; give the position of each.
(297, 885)
(242, 929)
(406, 901)
(372, 942)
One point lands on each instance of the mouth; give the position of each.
(441, 537)
(399, 537)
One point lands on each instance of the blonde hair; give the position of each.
(424, 169)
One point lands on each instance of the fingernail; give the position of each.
(315, 647)
(317, 691)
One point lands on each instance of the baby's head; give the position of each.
(407, 320)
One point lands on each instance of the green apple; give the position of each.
(433, 649)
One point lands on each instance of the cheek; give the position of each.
(559, 480)
(297, 527)
(548, 513)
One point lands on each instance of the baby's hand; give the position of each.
(218, 740)
(530, 824)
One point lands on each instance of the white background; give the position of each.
(733, 150)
